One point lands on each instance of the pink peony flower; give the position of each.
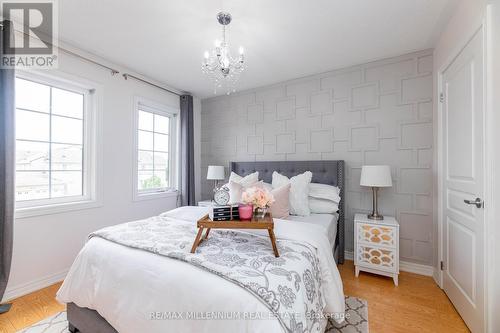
(258, 197)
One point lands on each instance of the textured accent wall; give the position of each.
(375, 113)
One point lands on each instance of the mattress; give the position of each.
(129, 287)
(327, 221)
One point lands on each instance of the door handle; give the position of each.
(478, 202)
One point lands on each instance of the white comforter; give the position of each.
(138, 291)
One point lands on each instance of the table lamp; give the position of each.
(375, 176)
(215, 173)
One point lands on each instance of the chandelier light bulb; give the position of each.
(219, 64)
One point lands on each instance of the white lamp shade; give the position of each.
(215, 172)
(376, 176)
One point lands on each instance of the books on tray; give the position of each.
(224, 213)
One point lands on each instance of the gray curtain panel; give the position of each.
(7, 147)
(187, 151)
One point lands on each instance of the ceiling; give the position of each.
(283, 39)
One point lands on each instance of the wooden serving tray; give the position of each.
(264, 223)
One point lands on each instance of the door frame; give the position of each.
(488, 167)
(493, 95)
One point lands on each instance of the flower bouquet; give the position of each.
(260, 198)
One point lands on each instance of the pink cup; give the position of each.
(246, 212)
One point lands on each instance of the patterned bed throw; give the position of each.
(290, 286)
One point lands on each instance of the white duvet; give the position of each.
(138, 291)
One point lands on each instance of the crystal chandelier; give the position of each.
(220, 65)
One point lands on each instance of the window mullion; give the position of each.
(84, 138)
(171, 125)
(41, 112)
(153, 145)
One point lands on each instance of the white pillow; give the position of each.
(267, 186)
(235, 192)
(323, 191)
(322, 206)
(247, 181)
(299, 191)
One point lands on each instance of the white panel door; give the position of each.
(463, 182)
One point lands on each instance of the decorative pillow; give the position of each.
(267, 186)
(236, 190)
(299, 191)
(322, 206)
(247, 181)
(323, 191)
(280, 209)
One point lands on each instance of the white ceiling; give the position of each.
(283, 39)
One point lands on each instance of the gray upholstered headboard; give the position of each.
(324, 172)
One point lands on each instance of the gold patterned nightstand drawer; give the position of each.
(377, 235)
(376, 257)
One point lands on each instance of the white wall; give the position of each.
(45, 246)
(375, 113)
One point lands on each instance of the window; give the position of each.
(156, 149)
(52, 143)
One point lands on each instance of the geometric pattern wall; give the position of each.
(375, 113)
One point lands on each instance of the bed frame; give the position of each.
(86, 320)
(324, 172)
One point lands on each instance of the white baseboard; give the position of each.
(437, 277)
(29, 287)
(412, 267)
(348, 255)
(404, 266)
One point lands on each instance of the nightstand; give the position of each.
(376, 245)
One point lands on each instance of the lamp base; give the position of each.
(375, 216)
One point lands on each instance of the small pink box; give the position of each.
(246, 212)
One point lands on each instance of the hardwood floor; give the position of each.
(417, 305)
(31, 308)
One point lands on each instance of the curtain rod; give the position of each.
(112, 70)
(126, 76)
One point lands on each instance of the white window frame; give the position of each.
(92, 172)
(143, 104)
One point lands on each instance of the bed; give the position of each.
(327, 222)
(324, 172)
(112, 288)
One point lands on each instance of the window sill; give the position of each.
(55, 208)
(155, 195)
